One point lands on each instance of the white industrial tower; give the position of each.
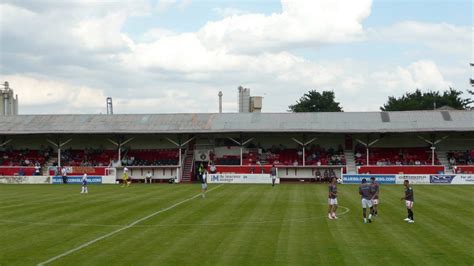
(8, 104)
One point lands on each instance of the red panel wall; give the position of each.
(405, 169)
(14, 170)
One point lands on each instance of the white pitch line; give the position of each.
(121, 229)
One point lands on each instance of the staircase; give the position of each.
(188, 163)
(48, 164)
(443, 159)
(350, 162)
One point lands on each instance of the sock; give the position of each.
(370, 216)
(410, 214)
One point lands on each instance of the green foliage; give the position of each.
(314, 101)
(427, 100)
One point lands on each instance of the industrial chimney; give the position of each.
(110, 108)
(220, 101)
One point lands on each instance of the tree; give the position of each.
(427, 101)
(314, 101)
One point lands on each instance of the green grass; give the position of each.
(233, 225)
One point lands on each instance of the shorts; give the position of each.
(409, 204)
(274, 177)
(366, 203)
(204, 185)
(332, 201)
(375, 201)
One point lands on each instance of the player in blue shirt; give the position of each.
(84, 184)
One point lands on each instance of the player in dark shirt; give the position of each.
(365, 193)
(374, 190)
(332, 199)
(409, 199)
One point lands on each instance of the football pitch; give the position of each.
(233, 225)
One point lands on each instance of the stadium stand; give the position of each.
(152, 157)
(395, 156)
(402, 151)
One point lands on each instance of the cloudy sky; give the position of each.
(174, 56)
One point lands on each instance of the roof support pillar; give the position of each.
(303, 144)
(367, 145)
(241, 143)
(433, 143)
(119, 143)
(58, 144)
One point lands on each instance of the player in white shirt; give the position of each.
(84, 184)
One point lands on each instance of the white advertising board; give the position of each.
(414, 179)
(241, 178)
(453, 179)
(24, 180)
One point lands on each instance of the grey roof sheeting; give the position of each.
(355, 122)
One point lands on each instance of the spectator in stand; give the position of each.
(295, 163)
(37, 168)
(212, 168)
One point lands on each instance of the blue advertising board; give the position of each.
(441, 179)
(357, 179)
(76, 179)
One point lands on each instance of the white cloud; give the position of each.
(229, 11)
(440, 37)
(156, 34)
(37, 93)
(75, 63)
(300, 22)
(103, 34)
(164, 5)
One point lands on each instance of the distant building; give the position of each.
(247, 103)
(9, 102)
